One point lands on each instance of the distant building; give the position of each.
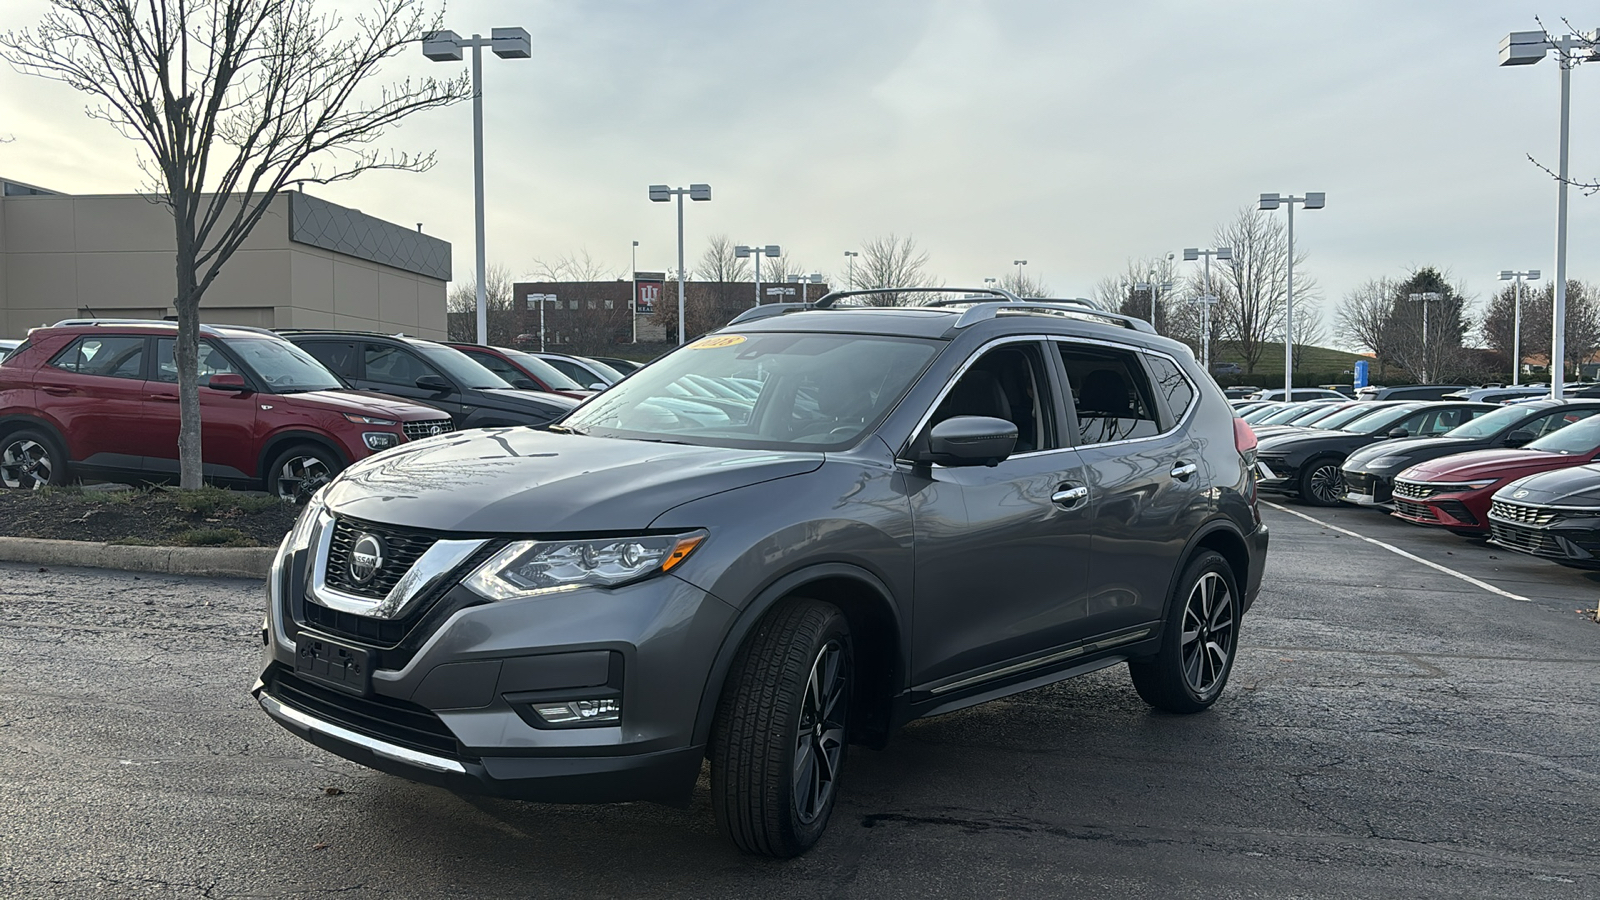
(309, 263)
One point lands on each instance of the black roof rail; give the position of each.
(767, 311)
(347, 331)
(973, 295)
(980, 312)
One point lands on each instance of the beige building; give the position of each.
(309, 263)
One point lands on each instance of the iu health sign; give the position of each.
(647, 291)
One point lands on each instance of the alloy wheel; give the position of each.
(820, 740)
(26, 465)
(1327, 484)
(1208, 632)
(300, 476)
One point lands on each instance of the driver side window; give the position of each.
(1008, 382)
(392, 365)
(211, 363)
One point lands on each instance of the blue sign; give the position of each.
(1361, 373)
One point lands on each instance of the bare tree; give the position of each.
(1426, 326)
(462, 304)
(579, 266)
(719, 263)
(1023, 286)
(1582, 326)
(1253, 291)
(1121, 293)
(1364, 317)
(270, 85)
(893, 262)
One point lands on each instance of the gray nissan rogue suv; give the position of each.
(794, 534)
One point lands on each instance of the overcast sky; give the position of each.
(1072, 134)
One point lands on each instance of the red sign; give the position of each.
(644, 302)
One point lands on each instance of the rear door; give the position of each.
(94, 388)
(1144, 473)
(394, 369)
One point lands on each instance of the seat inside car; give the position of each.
(1000, 385)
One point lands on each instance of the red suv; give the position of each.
(101, 399)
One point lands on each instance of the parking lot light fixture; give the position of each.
(743, 252)
(660, 193)
(850, 260)
(1516, 318)
(1208, 299)
(1152, 287)
(1426, 298)
(1312, 200)
(1019, 263)
(446, 46)
(1524, 48)
(803, 281)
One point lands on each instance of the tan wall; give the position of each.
(63, 255)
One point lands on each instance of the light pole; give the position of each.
(1152, 287)
(660, 193)
(850, 260)
(1206, 301)
(1312, 200)
(446, 46)
(743, 252)
(803, 281)
(541, 299)
(1516, 328)
(1427, 370)
(1019, 263)
(1524, 48)
(633, 301)
(990, 282)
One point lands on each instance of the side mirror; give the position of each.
(228, 381)
(525, 384)
(970, 441)
(435, 383)
(1399, 433)
(1518, 438)
(598, 386)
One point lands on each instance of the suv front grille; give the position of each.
(1517, 512)
(384, 718)
(401, 549)
(416, 431)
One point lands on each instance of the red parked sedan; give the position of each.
(1454, 491)
(525, 370)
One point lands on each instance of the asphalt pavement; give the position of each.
(1391, 730)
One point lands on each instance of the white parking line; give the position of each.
(1411, 556)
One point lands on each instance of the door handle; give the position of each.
(168, 398)
(1070, 497)
(1182, 471)
(56, 390)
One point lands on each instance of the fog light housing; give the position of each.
(598, 711)
(380, 440)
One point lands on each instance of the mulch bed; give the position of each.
(210, 517)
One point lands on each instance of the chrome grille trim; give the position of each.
(437, 562)
(416, 431)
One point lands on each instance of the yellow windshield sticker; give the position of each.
(718, 340)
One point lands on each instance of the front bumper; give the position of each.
(1450, 512)
(1572, 542)
(1275, 474)
(452, 703)
(1367, 489)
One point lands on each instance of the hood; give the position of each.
(519, 480)
(1577, 486)
(1481, 464)
(1413, 450)
(362, 403)
(520, 399)
(1300, 439)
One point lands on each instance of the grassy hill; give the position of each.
(1325, 362)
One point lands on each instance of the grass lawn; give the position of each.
(1308, 360)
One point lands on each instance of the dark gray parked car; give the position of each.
(789, 536)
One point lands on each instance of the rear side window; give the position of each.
(1429, 422)
(110, 356)
(1555, 421)
(1111, 394)
(1173, 390)
(339, 356)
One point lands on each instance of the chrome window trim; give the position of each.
(279, 710)
(1177, 426)
(956, 376)
(430, 568)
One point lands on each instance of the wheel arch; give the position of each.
(1224, 537)
(279, 441)
(21, 421)
(876, 632)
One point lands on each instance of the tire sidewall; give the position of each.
(1306, 494)
(58, 456)
(807, 834)
(275, 468)
(1172, 645)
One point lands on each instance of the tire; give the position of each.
(31, 460)
(1322, 482)
(1190, 670)
(778, 743)
(298, 472)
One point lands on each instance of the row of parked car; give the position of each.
(284, 411)
(1525, 474)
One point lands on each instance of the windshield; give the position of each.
(612, 376)
(550, 375)
(1286, 415)
(1381, 419)
(461, 368)
(1255, 416)
(1579, 437)
(1490, 424)
(781, 391)
(284, 366)
(1343, 417)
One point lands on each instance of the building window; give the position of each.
(608, 305)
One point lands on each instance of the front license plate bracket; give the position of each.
(333, 664)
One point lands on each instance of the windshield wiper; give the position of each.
(558, 428)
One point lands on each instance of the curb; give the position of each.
(226, 562)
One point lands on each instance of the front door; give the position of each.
(227, 418)
(1002, 551)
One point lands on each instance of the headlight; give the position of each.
(1466, 485)
(368, 420)
(380, 440)
(527, 568)
(1384, 462)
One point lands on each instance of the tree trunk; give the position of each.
(186, 354)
